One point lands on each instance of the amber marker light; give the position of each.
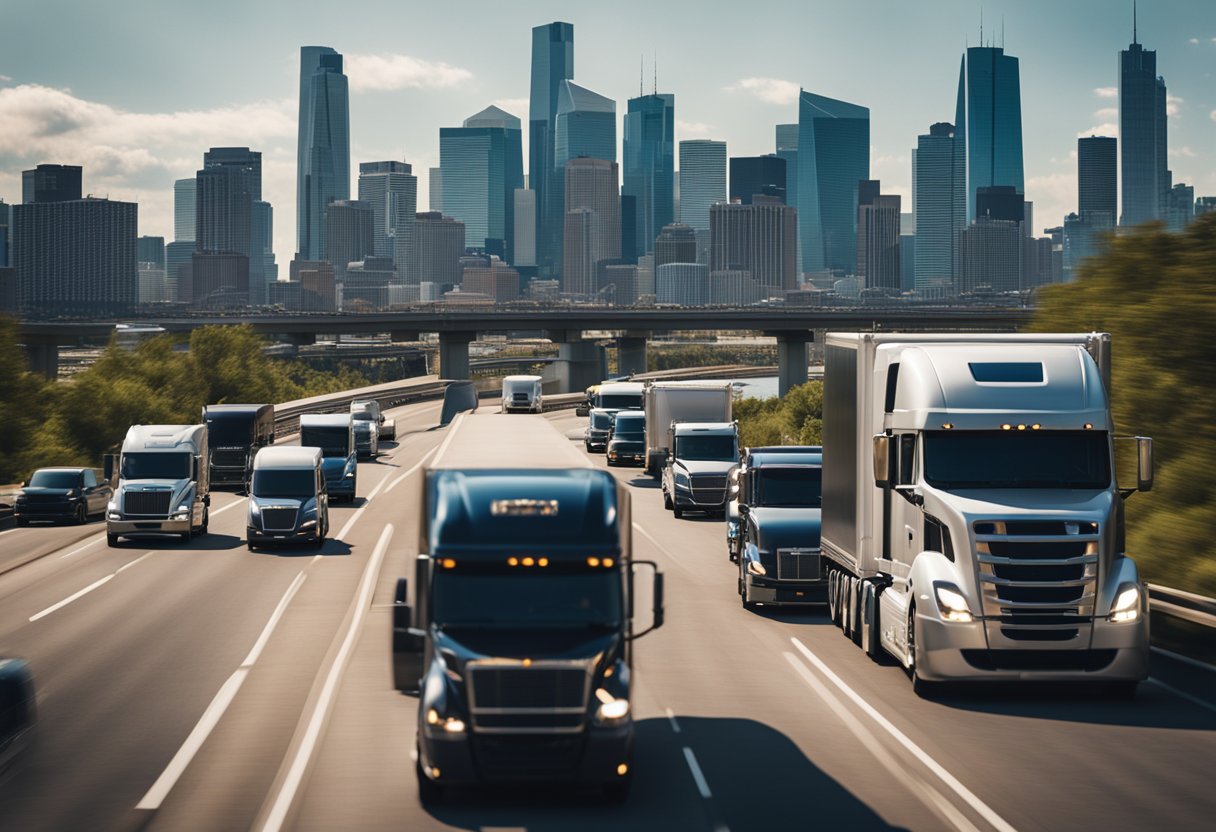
(1021, 427)
(528, 562)
(1035, 426)
(527, 662)
(622, 770)
(593, 561)
(1089, 425)
(512, 561)
(1006, 427)
(607, 562)
(543, 562)
(449, 563)
(948, 426)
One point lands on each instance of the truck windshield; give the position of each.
(957, 460)
(621, 401)
(601, 421)
(631, 429)
(154, 466)
(299, 483)
(333, 441)
(230, 432)
(361, 414)
(706, 448)
(790, 487)
(55, 479)
(527, 599)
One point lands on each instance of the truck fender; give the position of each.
(927, 567)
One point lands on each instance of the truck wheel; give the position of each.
(677, 511)
(667, 504)
(429, 792)
(111, 540)
(923, 689)
(82, 515)
(832, 595)
(845, 600)
(206, 521)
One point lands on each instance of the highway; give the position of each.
(203, 687)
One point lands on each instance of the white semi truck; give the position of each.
(163, 483)
(972, 517)
(680, 401)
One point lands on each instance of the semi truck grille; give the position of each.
(709, 482)
(278, 519)
(229, 459)
(154, 503)
(798, 565)
(520, 397)
(1038, 577)
(545, 697)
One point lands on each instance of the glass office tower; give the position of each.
(323, 163)
(649, 151)
(481, 164)
(988, 120)
(552, 63)
(833, 156)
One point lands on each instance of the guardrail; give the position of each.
(1186, 606)
(392, 394)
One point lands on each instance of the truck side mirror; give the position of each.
(882, 460)
(744, 509)
(1144, 463)
(107, 467)
(658, 600)
(409, 643)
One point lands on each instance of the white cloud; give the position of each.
(693, 129)
(4, 79)
(1105, 129)
(1183, 152)
(1173, 104)
(397, 72)
(771, 90)
(1195, 41)
(517, 107)
(1107, 92)
(1054, 195)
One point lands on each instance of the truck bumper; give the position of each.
(341, 488)
(257, 537)
(949, 651)
(138, 528)
(591, 756)
(776, 593)
(700, 500)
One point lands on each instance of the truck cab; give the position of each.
(522, 394)
(780, 500)
(620, 395)
(368, 410)
(334, 434)
(163, 483)
(288, 498)
(599, 426)
(627, 439)
(235, 434)
(695, 475)
(733, 485)
(17, 713)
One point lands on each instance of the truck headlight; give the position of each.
(1127, 604)
(611, 710)
(951, 603)
(682, 480)
(113, 515)
(451, 724)
(756, 567)
(183, 511)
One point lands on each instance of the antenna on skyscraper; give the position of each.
(655, 66)
(981, 26)
(641, 72)
(1134, 21)
(1002, 31)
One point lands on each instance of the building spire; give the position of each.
(641, 72)
(655, 67)
(1134, 33)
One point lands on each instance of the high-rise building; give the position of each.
(833, 156)
(1181, 207)
(6, 231)
(990, 256)
(733, 287)
(1205, 205)
(1000, 202)
(629, 228)
(676, 243)
(593, 221)
(220, 279)
(481, 164)
(391, 189)
(497, 281)
(752, 176)
(185, 210)
(878, 255)
(524, 237)
(702, 180)
(76, 257)
(760, 239)
(585, 127)
(682, 284)
(940, 207)
(552, 64)
(266, 271)
(988, 120)
(439, 245)
(179, 259)
(649, 151)
(51, 183)
(1097, 173)
(1142, 135)
(153, 288)
(147, 250)
(227, 189)
(349, 233)
(787, 149)
(323, 160)
(435, 189)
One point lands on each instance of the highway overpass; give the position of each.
(793, 328)
(203, 687)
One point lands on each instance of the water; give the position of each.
(763, 387)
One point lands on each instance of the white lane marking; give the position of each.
(1188, 697)
(671, 717)
(1178, 657)
(282, 802)
(13, 529)
(417, 465)
(211, 717)
(980, 807)
(697, 776)
(455, 426)
(81, 593)
(80, 549)
(222, 509)
(930, 796)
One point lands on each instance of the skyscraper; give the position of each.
(6, 232)
(676, 243)
(752, 176)
(878, 256)
(1097, 172)
(226, 191)
(649, 151)
(585, 127)
(702, 180)
(1142, 135)
(391, 189)
(435, 189)
(439, 244)
(481, 164)
(988, 120)
(350, 233)
(833, 156)
(323, 161)
(759, 238)
(524, 238)
(593, 221)
(148, 249)
(990, 256)
(185, 210)
(940, 206)
(51, 183)
(552, 63)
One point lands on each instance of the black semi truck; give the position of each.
(235, 434)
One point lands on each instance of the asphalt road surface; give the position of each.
(201, 686)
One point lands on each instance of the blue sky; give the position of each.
(137, 90)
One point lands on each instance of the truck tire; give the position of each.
(667, 504)
(430, 793)
(677, 511)
(845, 596)
(856, 609)
(206, 521)
(922, 688)
(82, 515)
(111, 540)
(870, 620)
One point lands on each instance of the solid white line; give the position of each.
(80, 549)
(455, 426)
(702, 786)
(282, 802)
(416, 466)
(74, 596)
(1178, 657)
(982, 808)
(222, 509)
(1188, 697)
(127, 566)
(671, 717)
(211, 717)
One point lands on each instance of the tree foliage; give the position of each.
(793, 419)
(1155, 292)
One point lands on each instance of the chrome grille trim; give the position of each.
(480, 667)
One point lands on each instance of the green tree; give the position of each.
(23, 404)
(793, 419)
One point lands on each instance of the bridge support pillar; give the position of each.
(580, 364)
(43, 358)
(454, 354)
(631, 352)
(791, 359)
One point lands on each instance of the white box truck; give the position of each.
(522, 394)
(163, 483)
(972, 519)
(680, 401)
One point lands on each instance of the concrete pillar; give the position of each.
(631, 352)
(454, 354)
(43, 358)
(791, 359)
(580, 364)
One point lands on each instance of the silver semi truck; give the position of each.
(680, 401)
(972, 519)
(163, 483)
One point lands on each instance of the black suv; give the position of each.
(62, 494)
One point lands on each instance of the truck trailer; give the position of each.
(972, 518)
(680, 401)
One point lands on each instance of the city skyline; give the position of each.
(134, 139)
